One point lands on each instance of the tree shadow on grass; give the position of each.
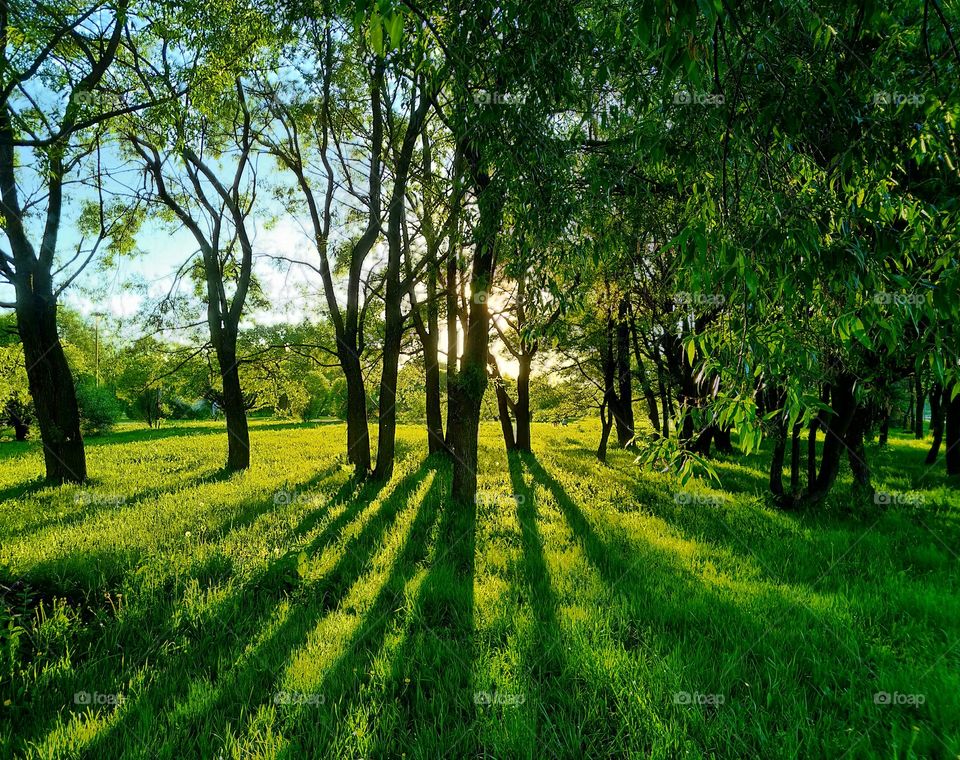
(310, 733)
(215, 684)
(80, 579)
(720, 635)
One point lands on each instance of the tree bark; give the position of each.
(234, 410)
(623, 409)
(920, 398)
(952, 435)
(837, 423)
(523, 402)
(50, 379)
(937, 405)
(467, 389)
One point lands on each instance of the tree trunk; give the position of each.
(471, 380)
(795, 459)
(952, 434)
(776, 461)
(884, 429)
(623, 410)
(234, 410)
(652, 411)
(432, 390)
(664, 403)
(522, 411)
(50, 380)
(721, 440)
(606, 423)
(937, 403)
(358, 434)
(856, 451)
(920, 397)
(503, 411)
(837, 423)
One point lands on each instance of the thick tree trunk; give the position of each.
(522, 411)
(952, 435)
(937, 404)
(358, 434)
(50, 380)
(468, 388)
(856, 451)
(837, 423)
(234, 410)
(721, 440)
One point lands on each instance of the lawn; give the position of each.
(169, 610)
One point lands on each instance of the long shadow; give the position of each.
(242, 677)
(339, 686)
(138, 629)
(431, 686)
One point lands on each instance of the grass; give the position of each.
(577, 610)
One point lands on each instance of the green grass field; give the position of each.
(171, 611)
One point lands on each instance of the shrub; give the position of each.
(99, 408)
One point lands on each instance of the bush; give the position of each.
(99, 408)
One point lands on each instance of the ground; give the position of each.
(579, 610)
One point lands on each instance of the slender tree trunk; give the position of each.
(937, 404)
(523, 402)
(606, 424)
(664, 403)
(795, 459)
(776, 462)
(952, 434)
(884, 429)
(652, 411)
(918, 414)
(503, 411)
(432, 391)
(358, 434)
(234, 410)
(50, 380)
(623, 410)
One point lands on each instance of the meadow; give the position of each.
(168, 609)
